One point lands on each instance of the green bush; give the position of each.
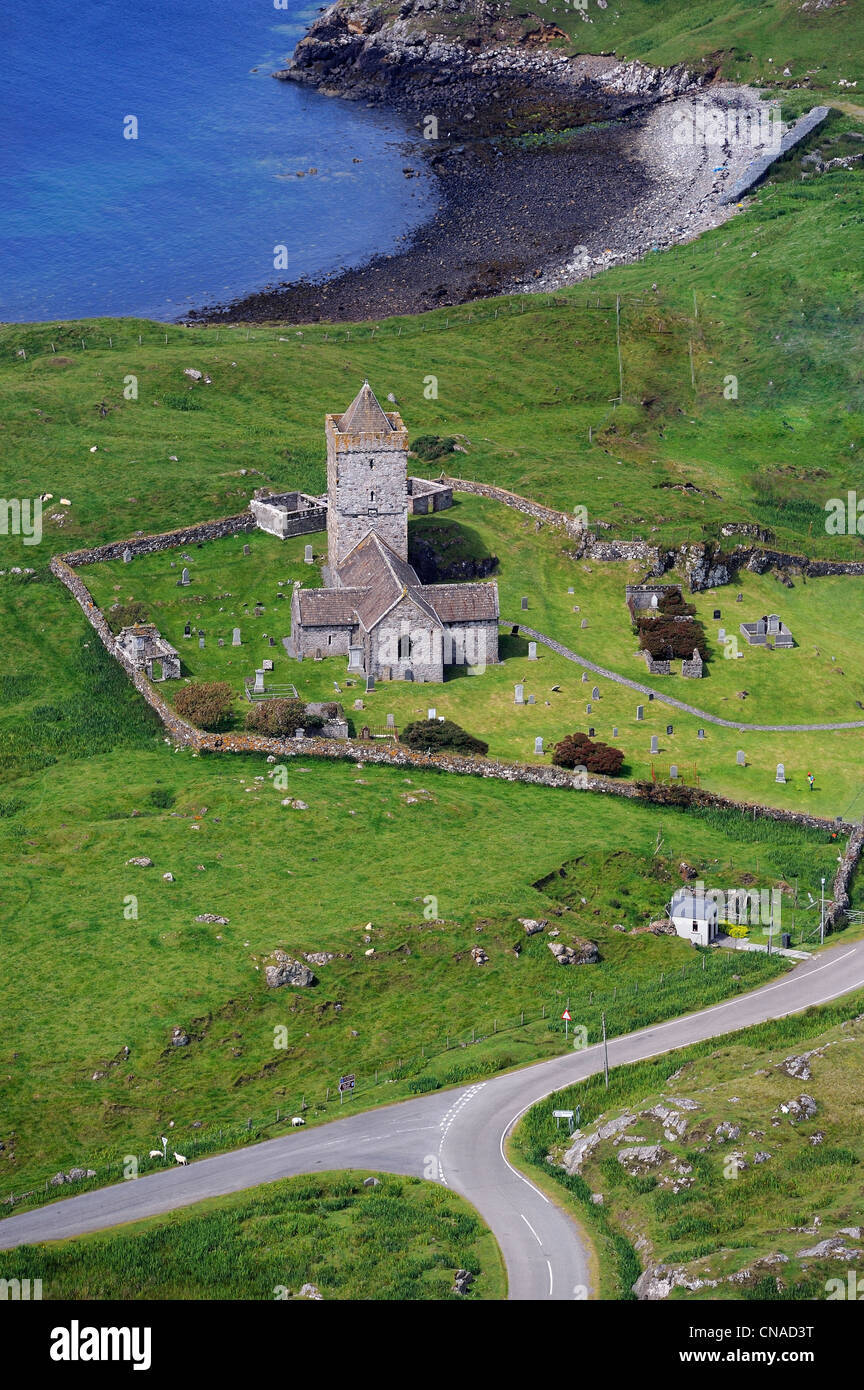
(429, 447)
(441, 735)
(207, 704)
(422, 1084)
(281, 718)
(122, 615)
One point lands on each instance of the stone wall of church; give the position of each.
(471, 644)
(363, 498)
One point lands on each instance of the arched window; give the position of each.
(404, 647)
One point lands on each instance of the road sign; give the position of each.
(346, 1083)
(567, 1016)
(562, 1114)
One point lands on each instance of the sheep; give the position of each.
(178, 1158)
(156, 1153)
(297, 1120)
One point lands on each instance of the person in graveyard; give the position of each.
(810, 779)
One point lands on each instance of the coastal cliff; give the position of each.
(475, 67)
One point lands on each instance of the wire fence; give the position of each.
(710, 976)
(31, 340)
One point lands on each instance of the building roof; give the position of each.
(687, 903)
(380, 578)
(463, 603)
(328, 607)
(364, 415)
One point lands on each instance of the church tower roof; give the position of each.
(364, 415)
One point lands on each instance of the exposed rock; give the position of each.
(311, 1291)
(169, 878)
(212, 918)
(531, 926)
(762, 1156)
(179, 1038)
(478, 955)
(797, 1067)
(803, 1108)
(141, 862)
(582, 952)
(833, 1248)
(727, 1130)
(642, 1157)
(286, 971)
(658, 1282)
(319, 957)
(371, 1182)
(464, 1279)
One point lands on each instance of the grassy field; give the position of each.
(403, 1239)
(821, 680)
(101, 954)
(744, 1224)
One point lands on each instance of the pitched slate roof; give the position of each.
(364, 415)
(463, 603)
(327, 607)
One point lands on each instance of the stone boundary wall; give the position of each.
(707, 566)
(166, 540)
(180, 731)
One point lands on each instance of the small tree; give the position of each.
(207, 704)
(440, 735)
(578, 750)
(281, 718)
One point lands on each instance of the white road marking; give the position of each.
(551, 1281)
(447, 1120)
(531, 1228)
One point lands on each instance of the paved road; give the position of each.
(456, 1136)
(559, 647)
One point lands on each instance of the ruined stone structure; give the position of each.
(145, 649)
(767, 629)
(375, 610)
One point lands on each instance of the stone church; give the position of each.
(374, 610)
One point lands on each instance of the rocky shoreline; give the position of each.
(550, 168)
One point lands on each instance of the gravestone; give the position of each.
(650, 694)
(524, 603)
(781, 773)
(584, 677)
(614, 733)
(571, 591)
(259, 682)
(640, 711)
(721, 634)
(391, 721)
(127, 556)
(531, 699)
(739, 598)
(247, 550)
(187, 631)
(700, 733)
(673, 771)
(716, 614)
(584, 622)
(173, 564)
(299, 733)
(266, 665)
(370, 684)
(519, 696)
(307, 555)
(538, 744)
(431, 714)
(741, 758)
(591, 731)
(235, 638)
(532, 651)
(655, 744)
(272, 641)
(358, 704)
(184, 577)
(653, 600)
(587, 709)
(595, 693)
(200, 642)
(669, 729)
(221, 642)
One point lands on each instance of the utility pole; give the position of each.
(605, 1054)
(822, 915)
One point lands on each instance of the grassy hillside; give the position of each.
(402, 1239)
(772, 298)
(743, 1191)
(87, 977)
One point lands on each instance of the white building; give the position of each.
(694, 916)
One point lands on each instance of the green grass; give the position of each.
(402, 1240)
(718, 1227)
(820, 680)
(87, 977)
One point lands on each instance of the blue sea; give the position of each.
(190, 212)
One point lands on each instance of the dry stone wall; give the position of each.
(167, 540)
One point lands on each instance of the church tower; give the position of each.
(367, 478)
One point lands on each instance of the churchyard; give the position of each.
(820, 680)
